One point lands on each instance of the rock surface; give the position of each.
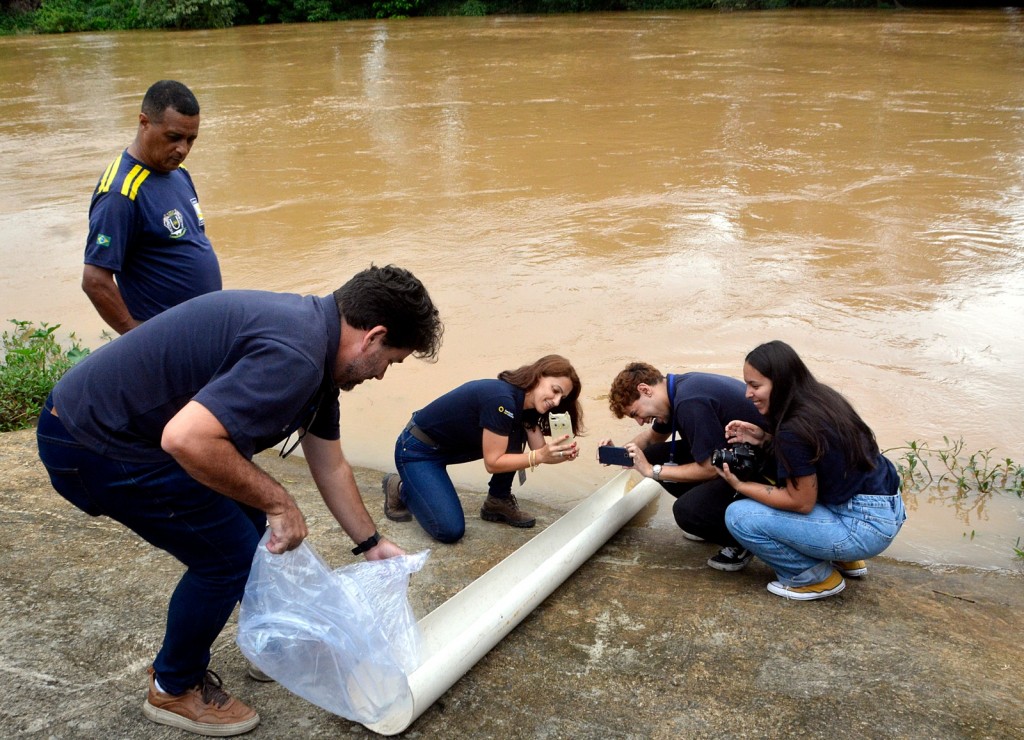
(643, 641)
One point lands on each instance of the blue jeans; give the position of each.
(214, 536)
(700, 507)
(800, 547)
(428, 491)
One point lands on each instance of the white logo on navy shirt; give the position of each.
(175, 224)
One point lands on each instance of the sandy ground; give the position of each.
(643, 641)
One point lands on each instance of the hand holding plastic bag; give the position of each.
(345, 640)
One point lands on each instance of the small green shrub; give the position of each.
(32, 362)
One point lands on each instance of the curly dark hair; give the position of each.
(624, 391)
(394, 298)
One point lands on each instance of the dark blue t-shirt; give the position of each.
(262, 363)
(148, 229)
(456, 420)
(702, 404)
(837, 482)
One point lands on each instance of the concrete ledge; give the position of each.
(644, 641)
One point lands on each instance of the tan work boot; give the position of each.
(506, 510)
(394, 509)
(205, 709)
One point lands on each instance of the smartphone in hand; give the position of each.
(561, 425)
(608, 455)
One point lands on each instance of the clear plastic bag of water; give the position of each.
(345, 640)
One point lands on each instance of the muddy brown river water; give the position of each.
(672, 187)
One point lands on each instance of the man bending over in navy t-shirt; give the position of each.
(157, 430)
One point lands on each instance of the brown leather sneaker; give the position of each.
(506, 510)
(205, 709)
(394, 509)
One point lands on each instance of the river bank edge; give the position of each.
(643, 641)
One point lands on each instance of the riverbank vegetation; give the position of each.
(66, 16)
(947, 474)
(32, 360)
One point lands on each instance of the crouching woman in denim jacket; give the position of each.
(837, 500)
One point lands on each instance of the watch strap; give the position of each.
(368, 544)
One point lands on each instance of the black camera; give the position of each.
(744, 460)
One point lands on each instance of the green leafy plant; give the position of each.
(32, 362)
(961, 474)
(949, 474)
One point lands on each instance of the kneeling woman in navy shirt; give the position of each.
(838, 498)
(501, 421)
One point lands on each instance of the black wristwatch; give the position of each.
(368, 544)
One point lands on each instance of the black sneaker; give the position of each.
(730, 559)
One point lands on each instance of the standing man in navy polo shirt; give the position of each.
(147, 248)
(157, 430)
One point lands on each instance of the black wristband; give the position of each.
(368, 544)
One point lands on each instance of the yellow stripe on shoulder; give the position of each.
(133, 181)
(108, 175)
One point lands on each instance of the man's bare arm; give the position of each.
(98, 284)
(201, 445)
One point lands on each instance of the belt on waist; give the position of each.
(420, 434)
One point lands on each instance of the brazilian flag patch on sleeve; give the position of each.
(103, 240)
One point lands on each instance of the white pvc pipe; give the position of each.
(463, 629)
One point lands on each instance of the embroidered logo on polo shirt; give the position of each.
(175, 224)
(102, 240)
(506, 412)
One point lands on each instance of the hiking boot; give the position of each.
(257, 675)
(730, 559)
(506, 510)
(851, 568)
(394, 509)
(205, 709)
(829, 587)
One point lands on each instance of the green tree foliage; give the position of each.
(183, 14)
(65, 16)
(395, 8)
(302, 11)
